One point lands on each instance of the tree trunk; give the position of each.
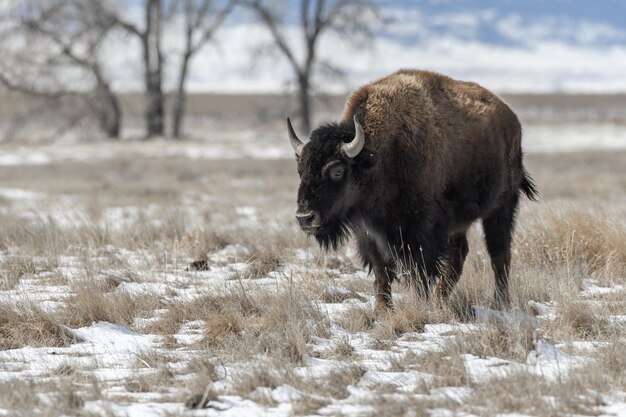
(180, 103)
(153, 61)
(111, 116)
(106, 108)
(154, 106)
(305, 102)
(112, 122)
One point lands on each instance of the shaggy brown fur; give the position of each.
(439, 154)
(444, 121)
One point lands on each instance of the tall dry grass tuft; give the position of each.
(47, 398)
(266, 375)
(285, 325)
(411, 313)
(199, 243)
(37, 236)
(333, 385)
(357, 318)
(207, 307)
(88, 305)
(578, 393)
(242, 324)
(221, 326)
(262, 263)
(446, 365)
(612, 370)
(24, 324)
(508, 339)
(576, 319)
(198, 388)
(518, 393)
(341, 349)
(583, 241)
(13, 268)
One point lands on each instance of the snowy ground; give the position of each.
(101, 314)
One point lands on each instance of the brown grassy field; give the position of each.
(31, 120)
(269, 325)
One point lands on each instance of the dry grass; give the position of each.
(198, 244)
(262, 263)
(265, 331)
(221, 326)
(308, 405)
(505, 339)
(62, 398)
(333, 296)
(212, 308)
(410, 314)
(446, 365)
(612, 369)
(578, 319)
(25, 324)
(89, 305)
(529, 394)
(199, 389)
(266, 375)
(519, 393)
(13, 268)
(241, 324)
(158, 380)
(357, 318)
(583, 241)
(335, 384)
(340, 350)
(289, 318)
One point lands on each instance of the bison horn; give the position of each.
(355, 147)
(296, 143)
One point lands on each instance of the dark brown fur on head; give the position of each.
(333, 200)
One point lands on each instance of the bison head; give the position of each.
(333, 169)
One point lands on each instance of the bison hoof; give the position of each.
(381, 309)
(501, 302)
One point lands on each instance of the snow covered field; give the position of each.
(159, 279)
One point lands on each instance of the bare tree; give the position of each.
(72, 33)
(351, 18)
(202, 18)
(150, 37)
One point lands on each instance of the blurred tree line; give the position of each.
(48, 42)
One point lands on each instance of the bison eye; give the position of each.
(336, 172)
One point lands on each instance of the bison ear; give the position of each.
(367, 159)
(296, 143)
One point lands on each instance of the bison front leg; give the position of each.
(457, 252)
(383, 278)
(384, 274)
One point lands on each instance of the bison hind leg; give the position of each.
(498, 228)
(457, 252)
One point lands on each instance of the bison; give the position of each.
(415, 159)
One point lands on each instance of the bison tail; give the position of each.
(529, 188)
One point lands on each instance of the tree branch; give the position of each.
(271, 22)
(32, 91)
(209, 30)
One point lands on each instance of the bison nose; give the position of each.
(306, 219)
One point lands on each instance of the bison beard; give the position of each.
(416, 158)
(333, 234)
